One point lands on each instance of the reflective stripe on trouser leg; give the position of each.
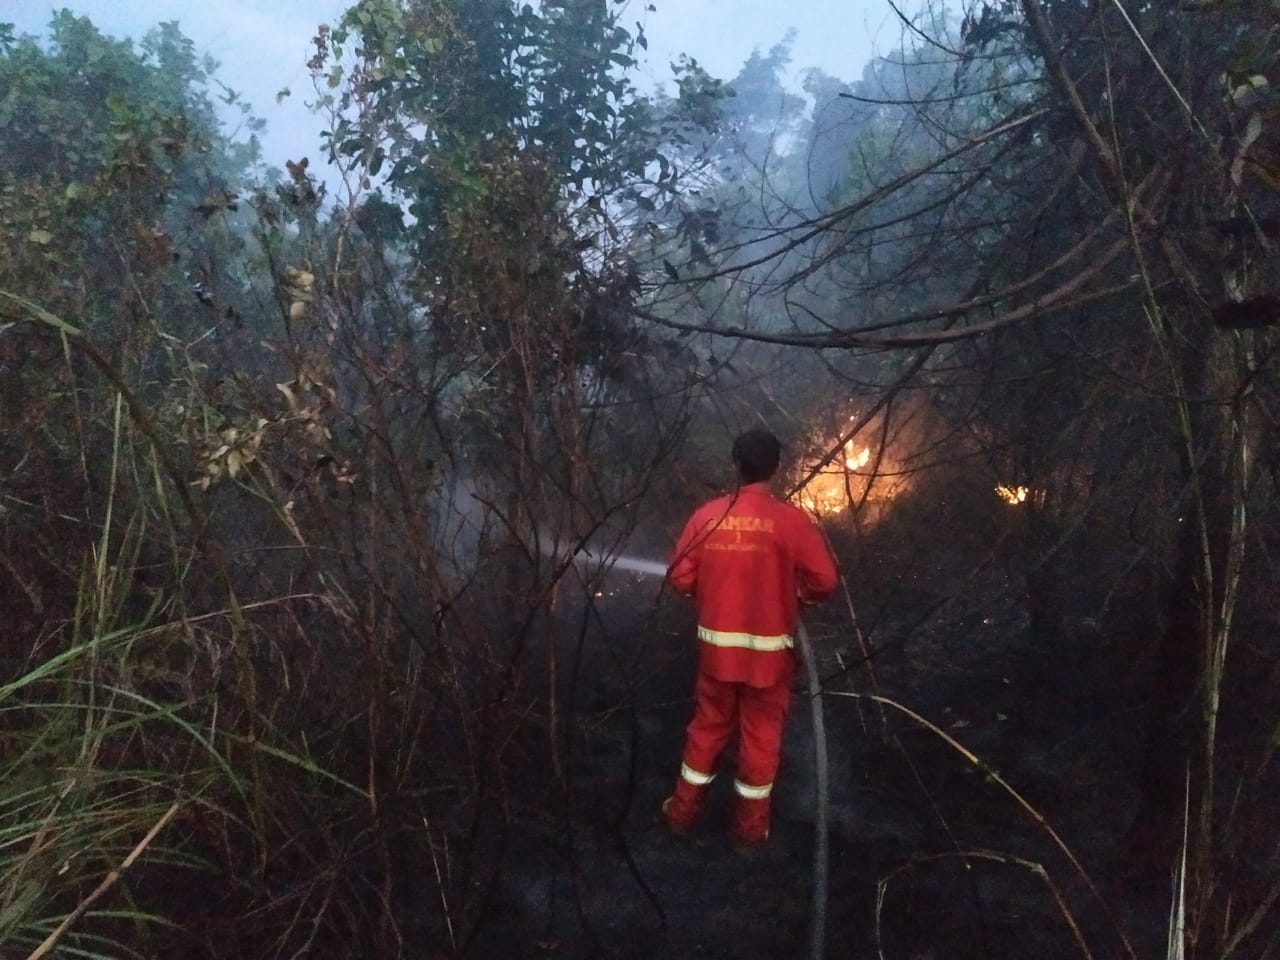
(696, 777)
(752, 793)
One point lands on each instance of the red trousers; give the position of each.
(757, 713)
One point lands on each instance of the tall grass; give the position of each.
(133, 776)
(102, 766)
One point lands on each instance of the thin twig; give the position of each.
(444, 899)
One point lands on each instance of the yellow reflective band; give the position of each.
(693, 776)
(747, 641)
(752, 793)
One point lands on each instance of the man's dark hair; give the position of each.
(756, 454)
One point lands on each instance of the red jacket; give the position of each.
(747, 559)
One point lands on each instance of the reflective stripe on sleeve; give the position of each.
(747, 641)
(697, 778)
(752, 793)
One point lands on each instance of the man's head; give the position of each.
(756, 454)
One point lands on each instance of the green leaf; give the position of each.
(42, 237)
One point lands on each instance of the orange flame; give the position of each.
(1012, 495)
(857, 479)
(830, 490)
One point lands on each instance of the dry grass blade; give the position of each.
(1176, 949)
(109, 881)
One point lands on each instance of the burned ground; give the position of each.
(933, 852)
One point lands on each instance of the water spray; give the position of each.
(625, 562)
(618, 561)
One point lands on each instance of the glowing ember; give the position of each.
(1012, 495)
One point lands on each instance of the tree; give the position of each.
(524, 160)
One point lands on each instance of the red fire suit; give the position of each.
(748, 560)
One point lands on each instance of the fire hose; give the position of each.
(821, 849)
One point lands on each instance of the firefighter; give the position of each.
(747, 559)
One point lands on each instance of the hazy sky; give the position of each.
(263, 45)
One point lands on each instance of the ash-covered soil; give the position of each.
(1002, 842)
